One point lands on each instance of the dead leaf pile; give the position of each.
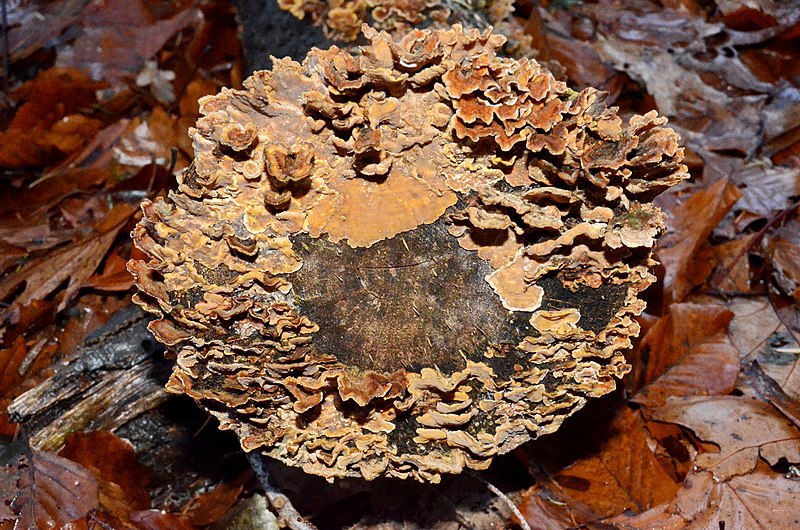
(713, 395)
(94, 120)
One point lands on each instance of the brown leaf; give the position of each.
(210, 507)
(770, 391)
(119, 36)
(692, 69)
(624, 475)
(51, 493)
(114, 277)
(10, 360)
(689, 354)
(543, 513)
(113, 460)
(754, 322)
(71, 265)
(39, 24)
(689, 225)
(48, 123)
(779, 358)
(732, 265)
(149, 140)
(786, 265)
(159, 520)
(766, 189)
(744, 430)
(761, 499)
(17, 363)
(658, 518)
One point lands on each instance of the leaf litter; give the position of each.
(705, 435)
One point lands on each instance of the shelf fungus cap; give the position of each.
(405, 262)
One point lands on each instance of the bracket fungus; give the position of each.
(405, 262)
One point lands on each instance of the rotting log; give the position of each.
(404, 262)
(117, 375)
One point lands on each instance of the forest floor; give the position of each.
(703, 433)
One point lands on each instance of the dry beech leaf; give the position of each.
(72, 265)
(689, 353)
(744, 430)
(624, 476)
(52, 493)
(543, 513)
(210, 507)
(759, 333)
(148, 140)
(786, 266)
(754, 321)
(770, 391)
(761, 499)
(693, 71)
(779, 357)
(49, 124)
(38, 24)
(114, 276)
(364, 289)
(119, 36)
(112, 459)
(766, 189)
(689, 225)
(732, 265)
(160, 520)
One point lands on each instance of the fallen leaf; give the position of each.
(765, 189)
(95, 154)
(543, 513)
(148, 140)
(10, 360)
(49, 123)
(689, 354)
(707, 503)
(37, 24)
(114, 276)
(689, 225)
(210, 507)
(762, 499)
(658, 518)
(70, 266)
(624, 475)
(753, 322)
(119, 36)
(159, 520)
(786, 266)
(51, 493)
(692, 69)
(771, 392)
(112, 459)
(744, 430)
(732, 265)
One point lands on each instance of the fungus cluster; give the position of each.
(404, 262)
(341, 20)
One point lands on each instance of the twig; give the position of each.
(279, 502)
(768, 389)
(523, 523)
